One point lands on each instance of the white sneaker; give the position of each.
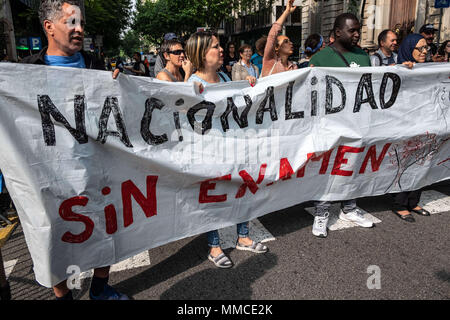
(320, 225)
(357, 217)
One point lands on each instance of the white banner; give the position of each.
(102, 169)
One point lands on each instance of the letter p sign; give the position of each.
(35, 43)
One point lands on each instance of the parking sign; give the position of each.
(35, 43)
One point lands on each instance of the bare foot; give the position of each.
(245, 241)
(215, 252)
(403, 212)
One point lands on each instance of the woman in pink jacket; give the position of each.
(278, 48)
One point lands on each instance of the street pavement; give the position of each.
(394, 260)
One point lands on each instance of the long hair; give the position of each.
(197, 46)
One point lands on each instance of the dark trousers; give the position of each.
(406, 200)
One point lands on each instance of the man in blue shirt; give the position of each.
(257, 58)
(385, 55)
(64, 27)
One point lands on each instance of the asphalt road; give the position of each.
(413, 261)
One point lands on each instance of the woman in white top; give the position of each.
(206, 55)
(244, 69)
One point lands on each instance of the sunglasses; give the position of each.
(176, 52)
(422, 48)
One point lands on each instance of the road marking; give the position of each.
(258, 233)
(138, 261)
(434, 201)
(334, 223)
(9, 266)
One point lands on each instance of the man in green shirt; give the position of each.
(344, 52)
(347, 30)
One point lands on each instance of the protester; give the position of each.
(278, 48)
(147, 64)
(230, 59)
(63, 24)
(160, 62)
(244, 69)
(344, 52)
(206, 55)
(412, 50)
(5, 289)
(257, 58)
(175, 58)
(444, 51)
(331, 37)
(385, 55)
(427, 31)
(4, 58)
(139, 68)
(313, 44)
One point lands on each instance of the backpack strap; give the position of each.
(340, 55)
(376, 54)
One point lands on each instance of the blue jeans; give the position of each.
(213, 236)
(324, 206)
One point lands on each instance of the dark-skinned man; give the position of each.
(343, 52)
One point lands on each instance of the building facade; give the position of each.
(402, 16)
(247, 27)
(317, 16)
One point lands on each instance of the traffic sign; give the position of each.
(22, 44)
(35, 43)
(88, 44)
(442, 4)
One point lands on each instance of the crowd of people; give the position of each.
(202, 60)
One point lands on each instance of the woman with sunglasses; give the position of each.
(204, 51)
(412, 50)
(175, 57)
(278, 48)
(244, 69)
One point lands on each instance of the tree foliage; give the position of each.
(131, 43)
(154, 19)
(108, 18)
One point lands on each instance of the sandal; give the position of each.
(407, 218)
(421, 211)
(221, 261)
(256, 247)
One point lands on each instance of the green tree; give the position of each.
(108, 18)
(131, 43)
(154, 19)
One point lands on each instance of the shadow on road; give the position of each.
(286, 221)
(216, 284)
(185, 258)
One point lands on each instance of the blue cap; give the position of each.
(170, 36)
